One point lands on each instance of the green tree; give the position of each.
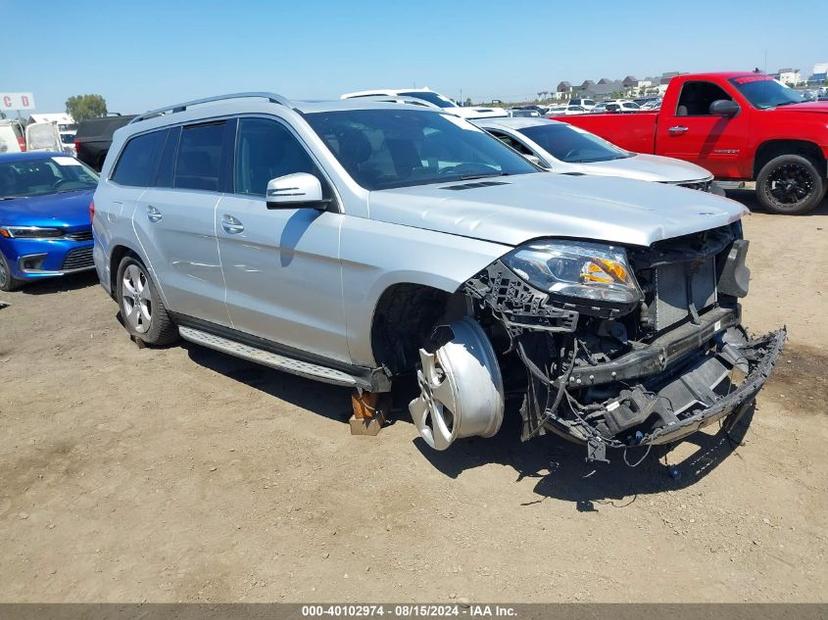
(83, 107)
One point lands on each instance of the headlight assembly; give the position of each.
(29, 232)
(577, 269)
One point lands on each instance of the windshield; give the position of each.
(383, 149)
(764, 92)
(573, 145)
(37, 177)
(434, 98)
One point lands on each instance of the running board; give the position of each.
(273, 360)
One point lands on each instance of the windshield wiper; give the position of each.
(469, 177)
(779, 105)
(8, 197)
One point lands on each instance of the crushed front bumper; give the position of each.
(769, 348)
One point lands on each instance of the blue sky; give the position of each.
(140, 55)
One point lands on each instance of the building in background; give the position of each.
(819, 74)
(788, 76)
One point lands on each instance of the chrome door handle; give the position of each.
(677, 130)
(153, 214)
(231, 225)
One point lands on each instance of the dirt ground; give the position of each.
(185, 475)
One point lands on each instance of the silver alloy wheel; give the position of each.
(136, 302)
(461, 390)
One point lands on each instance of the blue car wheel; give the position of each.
(7, 281)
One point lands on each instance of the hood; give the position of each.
(652, 168)
(70, 209)
(814, 107)
(529, 206)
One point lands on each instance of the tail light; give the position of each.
(91, 211)
(22, 142)
(77, 147)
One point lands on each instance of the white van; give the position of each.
(66, 126)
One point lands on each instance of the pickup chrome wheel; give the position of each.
(142, 310)
(461, 390)
(790, 184)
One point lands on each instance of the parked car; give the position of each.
(566, 110)
(12, 136)
(436, 99)
(741, 127)
(44, 217)
(621, 106)
(561, 147)
(523, 113)
(94, 136)
(66, 128)
(586, 104)
(358, 242)
(43, 137)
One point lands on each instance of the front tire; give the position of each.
(8, 283)
(790, 185)
(142, 310)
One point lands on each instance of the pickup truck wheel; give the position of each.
(143, 313)
(790, 185)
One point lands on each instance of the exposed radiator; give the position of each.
(674, 293)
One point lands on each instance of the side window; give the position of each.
(265, 150)
(696, 98)
(201, 156)
(137, 163)
(166, 165)
(510, 141)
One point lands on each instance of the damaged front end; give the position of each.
(623, 347)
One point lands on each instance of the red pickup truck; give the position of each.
(741, 127)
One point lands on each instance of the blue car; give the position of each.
(45, 228)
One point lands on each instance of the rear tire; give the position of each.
(8, 283)
(790, 185)
(143, 313)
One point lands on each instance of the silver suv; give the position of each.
(357, 242)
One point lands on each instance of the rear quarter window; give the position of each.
(139, 159)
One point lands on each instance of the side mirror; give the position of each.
(295, 191)
(534, 159)
(724, 107)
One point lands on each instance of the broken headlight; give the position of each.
(587, 271)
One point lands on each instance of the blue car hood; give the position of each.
(69, 209)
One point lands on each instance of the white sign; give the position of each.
(17, 101)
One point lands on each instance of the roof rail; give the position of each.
(406, 99)
(180, 107)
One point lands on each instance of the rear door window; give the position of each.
(203, 156)
(138, 161)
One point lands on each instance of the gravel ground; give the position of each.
(185, 475)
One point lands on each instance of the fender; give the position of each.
(376, 255)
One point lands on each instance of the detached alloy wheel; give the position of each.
(7, 282)
(790, 184)
(142, 310)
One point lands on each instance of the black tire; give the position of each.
(7, 282)
(159, 329)
(790, 185)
